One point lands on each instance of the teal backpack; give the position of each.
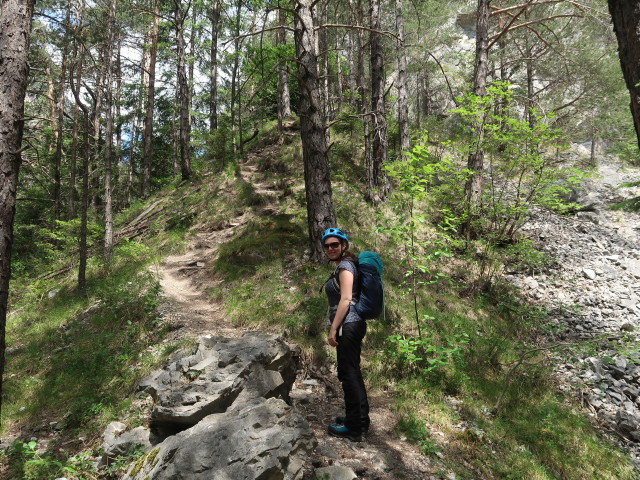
(371, 302)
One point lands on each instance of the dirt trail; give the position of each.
(185, 280)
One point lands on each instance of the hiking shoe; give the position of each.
(340, 421)
(343, 432)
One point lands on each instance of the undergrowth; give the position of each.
(444, 350)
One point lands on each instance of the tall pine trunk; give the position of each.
(183, 90)
(361, 83)
(379, 144)
(214, 18)
(147, 135)
(626, 25)
(235, 104)
(86, 158)
(284, 97)
(15, 28)
(403, 96)
(320, 212)
(108, 148)
(60, 121)
(475, 162)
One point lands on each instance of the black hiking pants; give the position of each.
(356, 403)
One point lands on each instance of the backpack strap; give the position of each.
(335, 275)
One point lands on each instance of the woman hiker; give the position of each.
(346, 333)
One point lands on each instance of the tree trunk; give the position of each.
(86, 156)
(147, 136)
(323, 56)
(183, 89)
(626, 25)
(235, 109)
(96, 119)
(214, 17)
(118, 125)
(530, 80)
(284, 97)
(59, 123)
(133, 151)
(73, 159)
(403, 96)
(15, 28)
(320, 213)
(353, 42)
(339, 90)
(192, 58)
(475, 162)
(380, 143)
(361, 81)
(108, 148)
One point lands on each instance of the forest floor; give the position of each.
(191, 313)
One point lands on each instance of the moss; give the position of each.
(150, 458)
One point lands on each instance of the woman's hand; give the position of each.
(332, 337)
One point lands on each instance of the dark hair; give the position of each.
(347, 254)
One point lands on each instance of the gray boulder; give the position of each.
(265, 441)
(118, 442)
(219, 373)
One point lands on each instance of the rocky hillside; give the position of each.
(592, 290)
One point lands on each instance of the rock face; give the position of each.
(221, 412)
(219, 373)
(263, 441)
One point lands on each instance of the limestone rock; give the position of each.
(115, 446)
(219, 373)
(268, 440)
(335, 472)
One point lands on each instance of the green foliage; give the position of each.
(630, 205)
(262, 64)
(219, 152)
(28, 464)
(96, 345)
(416, 430)
(521, 156)
(424, 355)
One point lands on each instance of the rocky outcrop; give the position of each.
(220, 411)
(219, 373)
(262, 441)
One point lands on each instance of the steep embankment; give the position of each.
(593, 294)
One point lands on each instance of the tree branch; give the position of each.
(357, 27)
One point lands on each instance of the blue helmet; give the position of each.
(334, 232)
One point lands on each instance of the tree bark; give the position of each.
(183, 89)
(147, 136)
(284, 97)
(475, 162)
(626, 25)
(214, 17)
(108, 148)
(86, 157)
(403, 96)
(320, 212)
(235, 109)
(361, 81)
(323, 56)
(15, 28)
(379, 143)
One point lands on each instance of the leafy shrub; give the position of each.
(521, 167)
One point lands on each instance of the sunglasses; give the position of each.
(327, 246)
